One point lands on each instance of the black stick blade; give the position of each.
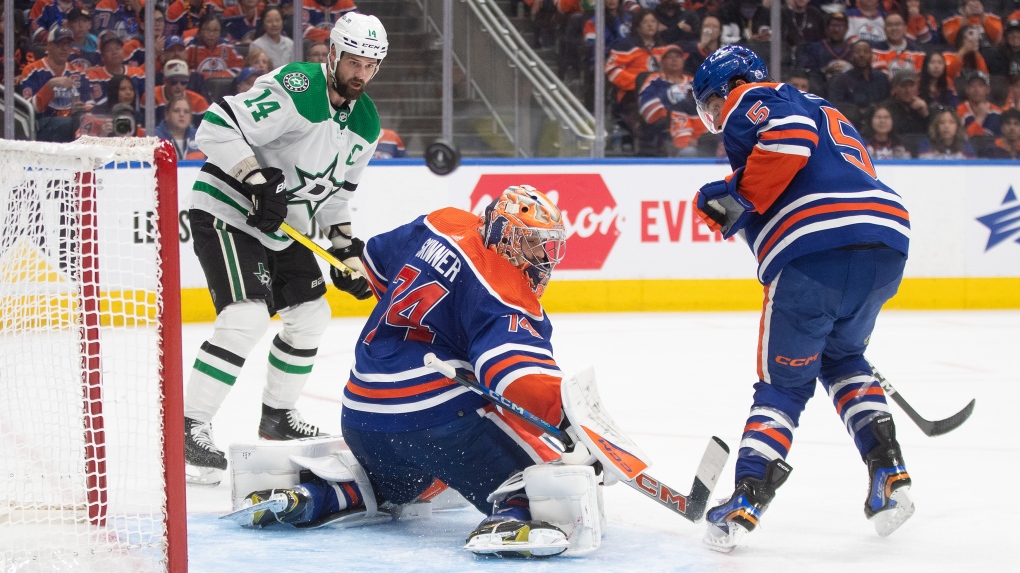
(951, 423)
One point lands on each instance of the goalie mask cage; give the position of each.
(91, 407)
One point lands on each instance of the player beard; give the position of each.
(351, 89)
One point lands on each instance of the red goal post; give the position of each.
(91, 391)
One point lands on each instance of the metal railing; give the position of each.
(24, 114)
(520, 103)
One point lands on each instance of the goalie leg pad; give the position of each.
(569, 498)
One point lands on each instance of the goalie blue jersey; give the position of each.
(809, 176)
(440, 290)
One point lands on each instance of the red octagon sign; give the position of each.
(589, 211)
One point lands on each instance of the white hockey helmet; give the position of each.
(359, 34)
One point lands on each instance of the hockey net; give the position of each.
(91, 422)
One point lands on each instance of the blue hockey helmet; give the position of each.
(715, 73)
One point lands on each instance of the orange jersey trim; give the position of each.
(502, 365)
(824, 209)
(400, 392)
(737, 94)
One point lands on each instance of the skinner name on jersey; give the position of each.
(441, 258)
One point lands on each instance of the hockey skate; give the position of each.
(888, 505)
(280, 424)
(204, 463)
(504, 536)
(729, 522)
(269, 506)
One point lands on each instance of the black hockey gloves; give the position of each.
(356, 287)
(269, 199)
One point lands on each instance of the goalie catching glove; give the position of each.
(268, 190)
(356, 286)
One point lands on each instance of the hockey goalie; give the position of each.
(466, 289)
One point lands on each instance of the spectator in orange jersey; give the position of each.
(909, 111)
(1004, 59)
(1007, 146)
(921, 26)
(210, 55)
(241, 20)
(175, 83)
(390, 146)
(946, 138)
(320, 15)
(662, 96)
(879, 131)
(184, 16)
(59, 92)
(112, 53)
(972, 13)
(968, 57)
(709, 40)
(637, 53)
(134, 49)
(178, 130)
(935, 87)
(896, 51)
(979, 116)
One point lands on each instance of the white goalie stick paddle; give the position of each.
(690, 506)
(930, 428)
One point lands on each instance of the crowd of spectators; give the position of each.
(81, 62)
(918, 78)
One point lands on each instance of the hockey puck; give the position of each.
(442, 157)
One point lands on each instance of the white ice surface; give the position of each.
(672, 381)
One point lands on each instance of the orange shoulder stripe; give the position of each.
(737, 94)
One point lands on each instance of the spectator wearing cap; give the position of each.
(59, 92)
(935, 86)
(175, 83)
(670, 123)
(178, 129)
(134, 49)
(246, 79)
(802, 23)
(909, 111)
(1004, 59)
(896, 51)
(979, 116)
(209, 54)
(972, 15)
(241, 20)
(946, 138)
(173, 49)
(1007, 146)
(278, 47)
(45, 14)
(122, 17)
(320, 15)
(866, 21)
(829, 57)
(855, 91)
(922, 27)
(111, 50)
(86, 45)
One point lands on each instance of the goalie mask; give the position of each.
(524, 227)
(358, 34)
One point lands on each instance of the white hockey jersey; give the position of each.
(286, 121)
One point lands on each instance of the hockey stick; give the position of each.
(936, 428)
(691, 506)
(315, 248)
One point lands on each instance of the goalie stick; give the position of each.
(936, 428)
(690, 506)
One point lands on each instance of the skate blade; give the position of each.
(196, 475)
(891, 519)
(246, 516)
(540, 543)
(718, 540)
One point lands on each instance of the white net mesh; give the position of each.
(81, 464)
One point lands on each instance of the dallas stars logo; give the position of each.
(314, 189)
(1004, 224)
(263, 275)
(295, 82)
